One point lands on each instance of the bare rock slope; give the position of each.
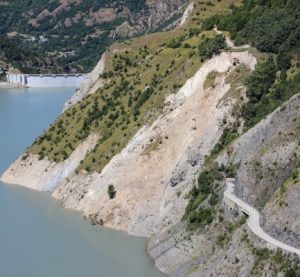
(44, 175)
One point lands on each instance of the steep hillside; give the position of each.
(147, 142)
(219, 243)
(68, 36)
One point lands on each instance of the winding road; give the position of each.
(253, 220)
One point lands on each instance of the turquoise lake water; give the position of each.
(37, 236)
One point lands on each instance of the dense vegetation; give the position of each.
(76, 47)
(71, 39)
(205, 195)
(24, 58)
(197, 214)
(272, 27)
(265, 95)
(211, 46)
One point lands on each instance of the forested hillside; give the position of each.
(272, 27)
(70, 36)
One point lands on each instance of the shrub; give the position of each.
(111, 192)
(290, 273)
(229, 134)
(174, 43)
(201, 217)
(196, 215)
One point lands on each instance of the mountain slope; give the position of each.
(71, 35)
(146, 147)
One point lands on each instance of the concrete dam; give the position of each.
(45, 80)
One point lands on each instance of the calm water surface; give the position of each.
(37, 236)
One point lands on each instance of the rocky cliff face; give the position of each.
(140, 15)
(266, 158)
(282, 211)
(163, 9)
(267, 154)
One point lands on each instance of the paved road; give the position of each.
(253, 220)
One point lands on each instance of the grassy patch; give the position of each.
(210, 80)
(292, 180)
(153, 145)
(294, 70)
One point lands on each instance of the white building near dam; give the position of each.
(45, 80)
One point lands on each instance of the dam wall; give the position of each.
(45, 80)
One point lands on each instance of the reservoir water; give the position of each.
(38, 237)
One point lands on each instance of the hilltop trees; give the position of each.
(211, 46)
(270, 26)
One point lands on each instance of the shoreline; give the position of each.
(10, 85)
(86, 219)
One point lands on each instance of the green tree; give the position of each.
(290, 273)
(261, 80)
(211, 46)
